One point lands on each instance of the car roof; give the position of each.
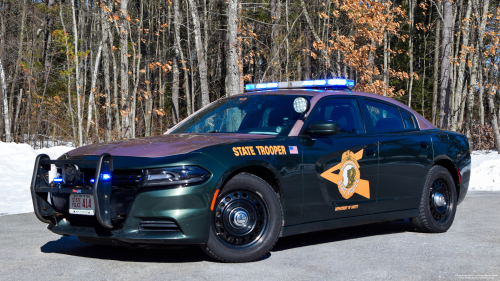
(318, 94)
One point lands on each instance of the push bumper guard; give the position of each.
(101, 189)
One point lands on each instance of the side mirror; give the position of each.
(323, 128)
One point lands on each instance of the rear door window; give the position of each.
(383, 117)
(408, 120)
(343, 111)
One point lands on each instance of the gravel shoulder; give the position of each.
(383, 251)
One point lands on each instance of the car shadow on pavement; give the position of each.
(182, 254)
(341, 234)
(163, 254)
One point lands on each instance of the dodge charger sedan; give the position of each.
(281, 159)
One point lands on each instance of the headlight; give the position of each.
(182, 175)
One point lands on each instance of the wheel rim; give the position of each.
(241, 218)
(440, 200)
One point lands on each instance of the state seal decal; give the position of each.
(348, 179)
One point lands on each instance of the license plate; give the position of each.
(81, 204)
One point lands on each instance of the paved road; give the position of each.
(470, 250)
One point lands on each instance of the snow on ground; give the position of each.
(17, 162)
(485, 173)
(16, 168)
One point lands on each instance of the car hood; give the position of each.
(164, 145)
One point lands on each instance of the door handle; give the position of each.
(424, 144)
(369, 152)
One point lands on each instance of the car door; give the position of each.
(405, 155)
(340, 171)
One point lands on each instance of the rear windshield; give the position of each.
(253, 114)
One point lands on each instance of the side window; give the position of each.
(343, 111)
(384, 118)
(408, 120)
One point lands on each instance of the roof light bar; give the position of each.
(323, 83)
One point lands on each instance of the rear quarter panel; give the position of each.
(454, 147)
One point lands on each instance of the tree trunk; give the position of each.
(16, 120)
(77, 70)
(447, 44)
(5, 104)
(116, 104)
(18, 60)
(107, 82)
(200, 53)
(180, 53)
(93, 89)
(461, 66)
(423, 76)
(126, 111)
(275, 30)
(386, 62)
(493, 116)
(410, 42)
(470, 107)
(47, 38)
(482, 26)
(436, 72)
(136, 70)
(287, 13)
(68, 69)
(175, 89)
(307, 71)
(232, 69)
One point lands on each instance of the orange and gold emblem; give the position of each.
(348, 179)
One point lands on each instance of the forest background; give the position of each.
(94, 71)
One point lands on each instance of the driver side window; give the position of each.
(343, 111)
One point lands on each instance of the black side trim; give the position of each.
(346, 222)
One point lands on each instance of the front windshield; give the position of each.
(252, 114)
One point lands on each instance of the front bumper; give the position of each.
(177, 215)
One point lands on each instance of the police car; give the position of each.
(281, 159)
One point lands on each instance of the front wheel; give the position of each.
(438, 204)
(246, 220)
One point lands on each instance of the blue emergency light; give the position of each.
(323, 83)
(105, 177)
(58, 180)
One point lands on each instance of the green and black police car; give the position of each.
(282, 159)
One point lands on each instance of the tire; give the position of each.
(436, 216)
(246, 220)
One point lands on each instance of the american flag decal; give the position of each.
(293, 150)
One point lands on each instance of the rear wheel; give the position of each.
(438, 202)
(246, 220)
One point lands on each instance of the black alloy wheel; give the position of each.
(246, 220)
(240, 218)
(438, 204)
(438, 200)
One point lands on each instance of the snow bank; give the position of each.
(16, 168)
(485, 173)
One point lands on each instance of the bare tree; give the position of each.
(126, 111)
(5, 104)
(77, 80)
(446, 45)
(200, 54)
(233, 73)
